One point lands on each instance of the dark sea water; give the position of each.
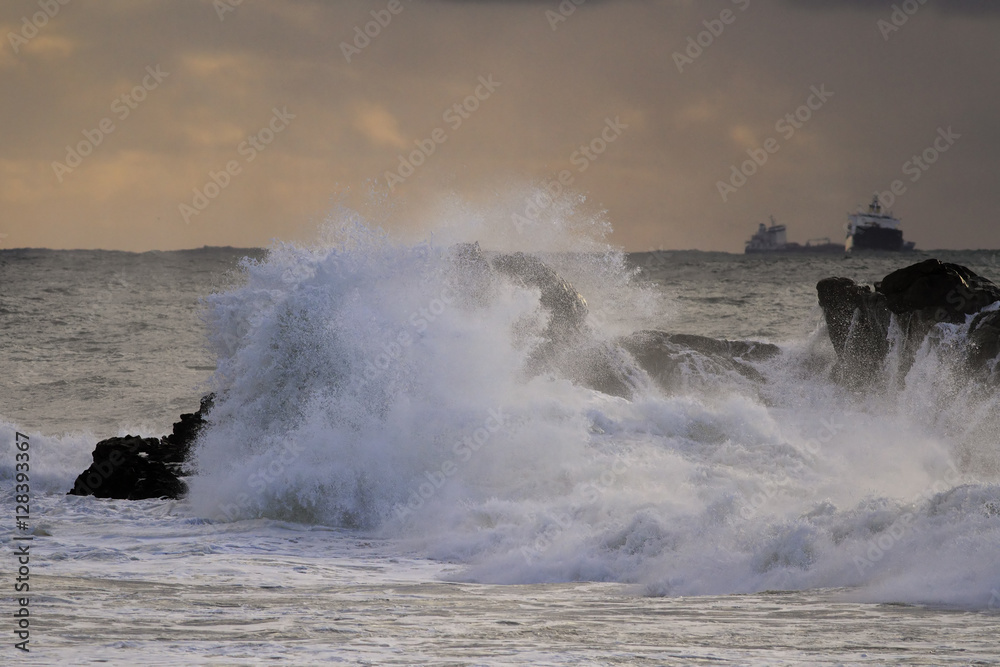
(336, 515)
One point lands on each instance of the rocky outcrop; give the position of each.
(936, 291)
(917, 297)
(667, 357)
(176, 447)
(568, 307)
(614, 367)
(570, 348)
(568, 345)
(858, 323)
(983, 355)
(124, 468)
(136, 468)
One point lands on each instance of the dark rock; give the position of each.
(984, 344)
(937, 291)
(469, 255)
(474, 274)
(663, 355)
(840, 299)
(122, 469)
(176, 447)
(924, 294)
(919, 297)
(858, 323)
(135, 468)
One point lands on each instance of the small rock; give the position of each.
(122, 469)
(135, 468)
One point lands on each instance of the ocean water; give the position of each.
(392, 477)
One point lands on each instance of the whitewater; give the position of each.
(407, 464)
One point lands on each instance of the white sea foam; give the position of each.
(53, 462)
(368, 384)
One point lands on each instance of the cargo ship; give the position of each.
(773, 240)
(875, 229)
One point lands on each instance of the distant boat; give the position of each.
(773, 240)
(874, 230)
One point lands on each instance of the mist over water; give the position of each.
(399, 390)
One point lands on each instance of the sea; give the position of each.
(388, 477)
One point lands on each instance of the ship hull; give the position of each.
(795, 249)
(877, 238)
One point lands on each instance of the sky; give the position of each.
(140, 125)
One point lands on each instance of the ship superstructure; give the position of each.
(768, 239)
(874, 229)
(773, 239)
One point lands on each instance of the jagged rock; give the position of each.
(984, 345)
(174, 448)
(135, 468)
(663, 355)
(919, 296)
(568, 307)
(937, 291)
(858, 323)
(571, 348)
(123, 469)
(924, 294)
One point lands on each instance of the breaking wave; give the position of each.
(406, 390)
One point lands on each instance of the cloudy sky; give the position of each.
(140, 125)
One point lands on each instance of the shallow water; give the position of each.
(266, 591)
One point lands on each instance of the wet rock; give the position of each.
(569, 346)
(667, 357)
(857, 320)
(743, 350)
(937, 291)
(136, 468)
(983, 355)
(568, 307)
(615, 368)
(123, 469)
(919, 297)
(603, 367)
(176, 447)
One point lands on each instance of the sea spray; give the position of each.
(374, 357)
(717, 486)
